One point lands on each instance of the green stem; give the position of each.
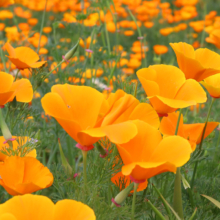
(42, 25)
(177, 197)
(3, 60)
(201, 143)
(178, 122)
(107, 39)
(16, 76)
(134, 200)
(53, 69)
(206, 122)
(157, 212)
(84, 153)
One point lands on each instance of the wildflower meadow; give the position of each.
(109, 109)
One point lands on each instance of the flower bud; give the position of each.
(122, 195)
(71, 52)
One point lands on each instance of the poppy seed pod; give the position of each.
(71, 52)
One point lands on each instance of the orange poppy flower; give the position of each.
(167, 89)
(5, 3)
(23, 57)
(21, 89)
(191, 132)
(17, 143)
(88, 116)
(147, 154)
(41, 207)
(214, 38)
(212, 84)
(22, 175)
(195, 64)
(160, 49)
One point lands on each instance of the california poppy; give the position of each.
(160, 49)
(191, 132)
(22, 175)
(17, 144)
(23, 57)
(147, 154)
(38, 207)
(167, 88)
(198, 64)
(88, 116)
(21, 89)
(212, 84)
(5, 3)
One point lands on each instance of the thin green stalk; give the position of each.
(206, 122)
(84, 153)
(42, 25)
(3, 60)
(134, 200)
(157, 212)
(200, 145)
(53, 69)
(16, 76)
(178, 122)
(107, 39)
(135, 90)
(177, 196)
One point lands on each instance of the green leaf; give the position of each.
(193, 215)
(166, 204)
(215, 202)
(176, 215)
(157, 212)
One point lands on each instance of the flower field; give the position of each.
(109, 109)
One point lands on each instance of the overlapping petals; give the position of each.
(198, 64)
(17, 144)
(212, 84)
(21, 89)
(147, 154)
(87, 116)
(38, 207)
(23, 57)
(22, 175)
(168, 90)
(191, 132)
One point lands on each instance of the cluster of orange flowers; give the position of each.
(117, 20)
(20, 172)
(88, 116)
(150, 138)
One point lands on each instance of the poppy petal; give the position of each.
(34, 206)
(18, 63)
(10, 49)
(23, 90)
(6, 81)
(72, 97)
(6, 97)
(146, 113)
(26, 55)
(192, 91)
(117, 133)
(66, 208)
(172, 149)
